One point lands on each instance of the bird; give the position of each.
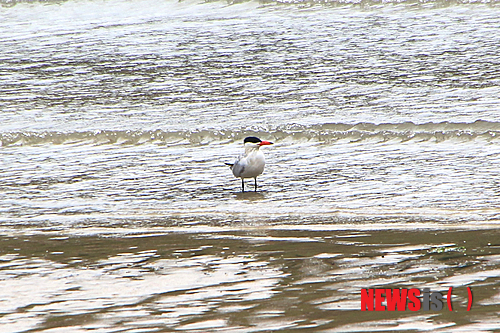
(251, 164)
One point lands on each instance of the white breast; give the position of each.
(249, 166)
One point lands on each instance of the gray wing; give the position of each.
(239, 167)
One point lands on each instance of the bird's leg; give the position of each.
(242, 185)
(255, 184)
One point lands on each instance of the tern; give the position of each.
(251, 164)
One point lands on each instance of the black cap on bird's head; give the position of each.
(256, 140)
(252, 139)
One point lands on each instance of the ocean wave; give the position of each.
(360, 3)
(323, 133)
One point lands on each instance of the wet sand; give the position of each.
(245, 277)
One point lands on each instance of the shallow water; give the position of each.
(117, 211)
(244, 277)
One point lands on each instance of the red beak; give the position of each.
(264, 143)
